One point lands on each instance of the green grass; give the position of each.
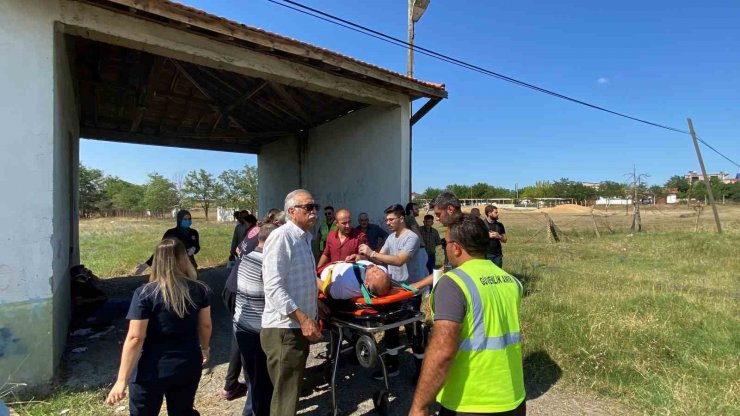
(115, 246)
(78, 403)
(651, 320)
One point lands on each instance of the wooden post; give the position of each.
(706, 177)
(593, 220)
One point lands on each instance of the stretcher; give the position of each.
(360, 320)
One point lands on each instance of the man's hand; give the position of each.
(493, 234)
(324, 310)
(414, 411)
(206, 354)
(191, 251)
(365, 250)
(310, 330)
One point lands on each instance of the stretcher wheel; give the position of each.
(366, 351)
(380, 401)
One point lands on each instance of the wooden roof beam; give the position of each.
(203, 91)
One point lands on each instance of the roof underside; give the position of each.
(134, 96)
(130, 95)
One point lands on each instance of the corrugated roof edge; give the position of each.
(148, 7)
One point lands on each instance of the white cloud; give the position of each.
(603, 80)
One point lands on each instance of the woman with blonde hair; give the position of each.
(169, 333)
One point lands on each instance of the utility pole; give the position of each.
(415, 10)
(705, 176)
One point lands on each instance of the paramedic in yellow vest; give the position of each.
(325, 226)
(473, 364)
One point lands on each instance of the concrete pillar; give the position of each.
(37, 112)
(359, 161)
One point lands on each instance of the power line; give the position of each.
(424, 51)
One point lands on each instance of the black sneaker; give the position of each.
(392, 371)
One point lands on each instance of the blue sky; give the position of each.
(660, 60)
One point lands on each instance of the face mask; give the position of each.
(186, 223)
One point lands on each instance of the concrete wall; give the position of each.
(33, 250)
(360, 161)
(279, 172)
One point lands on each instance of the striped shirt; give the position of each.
(250, 296)
(289, 275)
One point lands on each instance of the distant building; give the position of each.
(694, 177)
(671, 196)
(593, 185)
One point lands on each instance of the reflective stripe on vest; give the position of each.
(480, 341)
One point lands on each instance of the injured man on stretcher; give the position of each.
(343, 280)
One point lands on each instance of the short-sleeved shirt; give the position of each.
(374, 235)
(171, 346)
(430, 238)
(250, 294)
(408, 242)
(338, 251)
(494, 244)
(449, 301)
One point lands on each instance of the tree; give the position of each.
(611, 189)
(657, 191)
(460, 191)
(203, 188)
(239, 188)
(541, 189)
(160, 194)
(699, 189)
(431, 193)
(91, 190)
(124, 195)
(680, 183)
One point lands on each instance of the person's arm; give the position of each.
(197, 242)
(437, 361)
(398, 260)
(309, 327)
(420, 284)
(323, 259)
(235, 240)
(437, 240)
(502, 234)
(129, 357)
(205, 327)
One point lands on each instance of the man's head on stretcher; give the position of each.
(342, 280)
(377, 280)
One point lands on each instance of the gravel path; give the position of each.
(98, 364)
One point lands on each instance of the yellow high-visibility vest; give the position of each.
(324, 232)
(486, 375)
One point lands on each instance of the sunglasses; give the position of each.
(308, 207)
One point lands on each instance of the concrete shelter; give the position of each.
(160, 73)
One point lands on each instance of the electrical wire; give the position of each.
(424, 51)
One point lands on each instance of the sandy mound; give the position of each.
(566, 209)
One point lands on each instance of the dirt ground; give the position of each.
(97, 366)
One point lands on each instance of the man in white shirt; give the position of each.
(340, 280)
(289, 322)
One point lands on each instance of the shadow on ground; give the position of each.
(541, 373)
(92, 360)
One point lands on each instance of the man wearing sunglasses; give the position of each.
(289, 322)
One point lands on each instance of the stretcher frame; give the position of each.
(365, 325)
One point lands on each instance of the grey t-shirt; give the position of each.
(449, 301)
(408, 242)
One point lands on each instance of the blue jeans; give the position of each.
(497, 260)
(431, 260)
